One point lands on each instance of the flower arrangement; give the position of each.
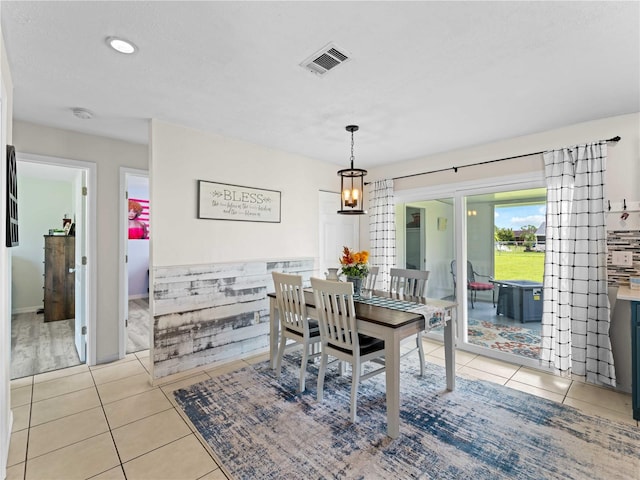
(354, 264)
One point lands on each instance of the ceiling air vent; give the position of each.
(325, 59)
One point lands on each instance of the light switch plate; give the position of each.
(621, 258)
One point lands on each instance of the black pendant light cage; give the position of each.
(352, 185)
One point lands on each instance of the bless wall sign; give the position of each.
(221, 201)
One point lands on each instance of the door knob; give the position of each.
(72, 270)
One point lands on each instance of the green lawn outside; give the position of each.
(517, 264)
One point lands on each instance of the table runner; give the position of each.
(434, 317)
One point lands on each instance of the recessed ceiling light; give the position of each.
(82, 113)
(121, 45)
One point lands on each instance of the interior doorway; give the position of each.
(135, 234)
(425, 230)
(415, 238)
(55, 201)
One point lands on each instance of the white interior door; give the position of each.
(80, 265)
(336, 231)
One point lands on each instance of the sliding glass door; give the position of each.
(504, 267)
(483, 247)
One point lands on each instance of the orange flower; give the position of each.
(354, 264)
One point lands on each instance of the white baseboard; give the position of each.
(139, 295)
(25, 310)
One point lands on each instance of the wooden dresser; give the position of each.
(59, 277)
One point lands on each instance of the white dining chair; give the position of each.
(371, 278)
(414, 283)
(340, 337)
(294, 322)
(409, 282)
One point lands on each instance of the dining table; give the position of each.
(391, 325)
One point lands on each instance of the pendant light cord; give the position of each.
(352, 157)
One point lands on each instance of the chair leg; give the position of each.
(420, 352)
(283, 343)
(321, 372)
(303, 366)
(355, 381)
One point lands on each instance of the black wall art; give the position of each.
(12, 198)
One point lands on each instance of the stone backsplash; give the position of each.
(623, 240)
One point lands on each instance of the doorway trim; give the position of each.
(123, 301)
(6, 413)
(90, 292)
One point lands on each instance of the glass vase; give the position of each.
(357, 284)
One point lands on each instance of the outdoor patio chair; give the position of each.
(473, 285)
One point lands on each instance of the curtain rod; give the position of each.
(455, 169)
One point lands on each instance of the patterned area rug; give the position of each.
(259, 428)
(506, 338)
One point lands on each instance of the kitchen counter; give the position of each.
(625, 293)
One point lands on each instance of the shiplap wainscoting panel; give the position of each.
(207, 313)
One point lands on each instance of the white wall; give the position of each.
(181, 156)
(6, 115)
(41, 206)
(109, 155)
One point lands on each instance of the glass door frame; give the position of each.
(459, 192)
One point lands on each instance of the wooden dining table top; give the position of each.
(383, 315)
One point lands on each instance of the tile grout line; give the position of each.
(108, 426)
(566, 394)
(194, 431)
(26, 448)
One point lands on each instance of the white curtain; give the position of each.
(575, 319)
(382, 229)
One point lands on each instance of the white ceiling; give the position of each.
(424, 77)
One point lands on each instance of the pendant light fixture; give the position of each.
(352, 184)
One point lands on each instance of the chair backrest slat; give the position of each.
(409, 282)
(291, 305)
(336, 313)
(371, 278)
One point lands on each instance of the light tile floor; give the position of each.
(109, 422)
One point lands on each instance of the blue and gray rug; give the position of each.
(259, 428)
